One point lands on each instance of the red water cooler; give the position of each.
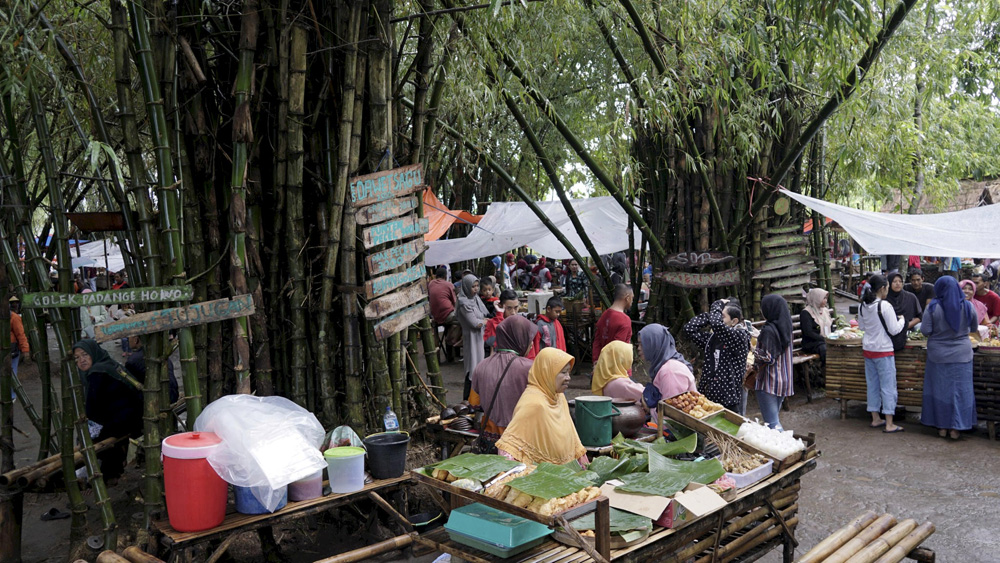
(196, 495)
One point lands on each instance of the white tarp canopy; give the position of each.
(967, 233)
(96, 251)
(509, 225)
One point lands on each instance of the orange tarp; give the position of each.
(441, 218)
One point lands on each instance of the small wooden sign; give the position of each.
(110, 297)
(389, 282)
(697, 259)
(790, 271)
(177, 317)
(397, 229)
(785, 251)
(792, 282)
(395, 301)
(784, 240)
(378, 212)
(783, 262)
(395, 256)
(388, 184)
(401, 320)
(97, 222)
(692, 281)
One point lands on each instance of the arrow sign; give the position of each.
(395, 256)
(383, 210)
(401, 320)
(177, 317)
(389, 282)
(397, 229)
(395, 301)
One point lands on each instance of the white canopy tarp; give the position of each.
(97, 251)
(509, 225)
(967, 233)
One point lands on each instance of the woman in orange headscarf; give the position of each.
(542, 429)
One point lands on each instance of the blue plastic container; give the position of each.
(246, 503)
(483, 527)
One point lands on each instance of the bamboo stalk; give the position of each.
(907, 544)
(136, 555)
(834, 541)
(6, 377)
(108, 556)
(883, 543)
(858, 542)
(370, 551)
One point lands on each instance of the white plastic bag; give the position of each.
(267, 443)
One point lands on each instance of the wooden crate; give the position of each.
(986, 385)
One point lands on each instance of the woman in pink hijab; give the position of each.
(969, 289)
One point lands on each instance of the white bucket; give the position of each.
(346, 468)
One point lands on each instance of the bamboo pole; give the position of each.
(108, 556)
(883, 543)
(835, 540)
(907, 544)
(6, 377)
(370, 551)
(136, 555)
(866, 536)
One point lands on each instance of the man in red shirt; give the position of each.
(614, 324)
(441, 295)
(987, 297)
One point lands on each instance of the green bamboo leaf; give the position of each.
(668, 482)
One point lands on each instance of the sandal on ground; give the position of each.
(55, 514)
(878, 425)
(954, 436)
(942, 433)
(898, 429)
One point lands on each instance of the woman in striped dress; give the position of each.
(774, 359)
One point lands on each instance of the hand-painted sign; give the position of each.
(177, 317)
(694, 258)
(382, 186)
(691, 281)
(397, 229)
(389, 282)
(395, 301)
(378, 212)
(395, 256)
(111, 297)
(395, 323)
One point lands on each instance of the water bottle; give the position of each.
(390, 420)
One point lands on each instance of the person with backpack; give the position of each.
(879, 321)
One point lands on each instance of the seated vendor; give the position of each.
(498, 392)
(611, 373)
(542, 429)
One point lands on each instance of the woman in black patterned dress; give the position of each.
(721, 334)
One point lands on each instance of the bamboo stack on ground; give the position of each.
(870, 539)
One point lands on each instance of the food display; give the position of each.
(770, 441)
(548, 507)
(470, 467)
(547, 489)
(693, 404)
(734, 458)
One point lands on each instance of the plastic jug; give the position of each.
(346, 468)
(593, 419)
(196, 495)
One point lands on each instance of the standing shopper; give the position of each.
(471, 315)
(614, 323)
(880, 323)
(816, 323)
(499, 381)
(949, 403)
(774, 359)
(720, 333)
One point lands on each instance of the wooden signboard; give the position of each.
(787, 229)
(397, 229)
(401, 320)
(692, 281)
(395, 301)
(783, 262)
(177, 317)
(389, 282)
(385, 185)
(378, 212)
(785, 240)
(785, 251)
(110, 297)
(395, 256)
(786, 272)
(698, 259)
(792, 282)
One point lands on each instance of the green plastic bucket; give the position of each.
(593, 420)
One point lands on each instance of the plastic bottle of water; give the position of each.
(390, 420)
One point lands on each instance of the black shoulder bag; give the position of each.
(482, 445)
(898, 339)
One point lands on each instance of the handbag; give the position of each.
(481, 445)
(750, 381)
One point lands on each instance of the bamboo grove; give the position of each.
(226, 133)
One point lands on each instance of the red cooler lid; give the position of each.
(190, 445)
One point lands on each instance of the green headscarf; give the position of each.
(102, 363)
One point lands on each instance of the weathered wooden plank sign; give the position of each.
(397, 229)
(785, 251)
(783, 262)
(784, 240)
(395, 257)
(389, 282)
(395, 301)
(385, 185)
(692, 281)
(697, 259)
(790, 282)
(378, 212)
(787, 229)
(110, 297)
(401, 320)
(790, 271)
(177, 317)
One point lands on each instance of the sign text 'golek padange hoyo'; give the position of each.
(177, 317)
(111, 297)
(385, 185)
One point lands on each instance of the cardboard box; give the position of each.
(695, 501)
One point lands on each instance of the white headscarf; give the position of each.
(816, 305)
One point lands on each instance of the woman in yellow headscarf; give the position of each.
(542, 429)
(611, 373)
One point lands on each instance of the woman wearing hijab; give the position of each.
(903, 303)
(879, 321)
(541, 428)
(113, 402)
(726, 343)
(969, 289)
(514, 337)
(774, 359)
(669, 373)
(949, 403)
(816, 323)
(471, 314)
(611, 373)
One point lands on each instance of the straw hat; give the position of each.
(13, 299)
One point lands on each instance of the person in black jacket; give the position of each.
(721, 334)
(816, 323)
(903, 303)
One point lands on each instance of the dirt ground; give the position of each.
(911, 475)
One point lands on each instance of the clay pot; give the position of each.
(632, 418)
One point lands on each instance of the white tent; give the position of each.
(968, 233)
(96, 251)
(509, 225)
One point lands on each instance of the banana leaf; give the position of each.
(668, 482)
(682, 446)
(722, 423)
(475, 466)
(607, 468)
(621, 521)
(550, 481)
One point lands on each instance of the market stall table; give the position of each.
(537, 301)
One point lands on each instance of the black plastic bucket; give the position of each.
(387, 454)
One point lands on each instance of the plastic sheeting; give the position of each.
(441, 218)
(957, 233)
(509, 225)
(96, 250)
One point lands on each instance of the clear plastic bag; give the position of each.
(343, 436)
(267, 443)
